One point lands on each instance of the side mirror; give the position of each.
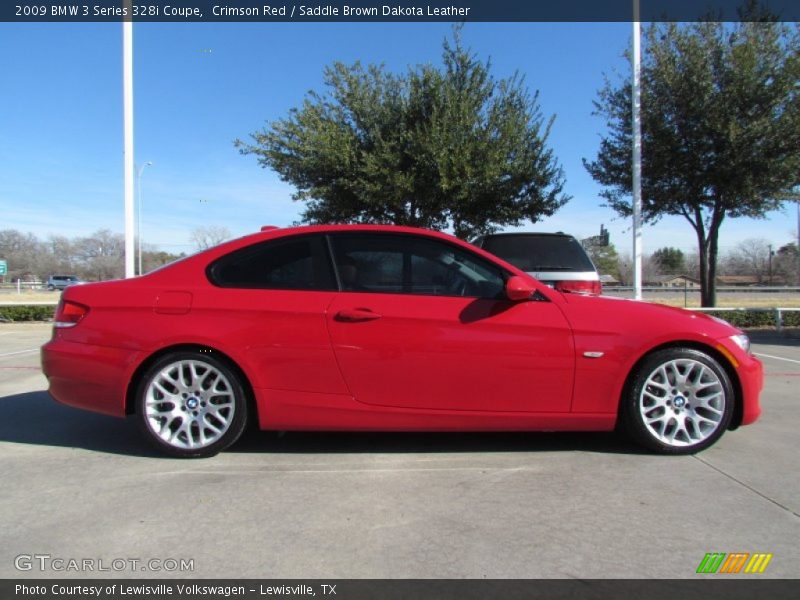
(519, 288)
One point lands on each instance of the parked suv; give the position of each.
(59, 282)
(556, 259)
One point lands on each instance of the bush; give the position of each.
(27, 312)
(749, 318)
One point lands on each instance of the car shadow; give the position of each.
(35, 418)
(326, 442)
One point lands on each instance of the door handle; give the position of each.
(354, 315)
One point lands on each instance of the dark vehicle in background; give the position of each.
(59, 282)
(556, 259)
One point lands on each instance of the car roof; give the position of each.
(279, 232)
(268, 233)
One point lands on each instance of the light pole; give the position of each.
(636, 125)
(127, 112)
(139, 172)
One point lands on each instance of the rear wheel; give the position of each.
(191, 404)
(679, 401)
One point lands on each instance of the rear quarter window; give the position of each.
(297, 263)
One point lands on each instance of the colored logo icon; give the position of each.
(735, 562)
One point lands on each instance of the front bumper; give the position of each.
(751, 378)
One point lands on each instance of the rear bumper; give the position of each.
(87, 376)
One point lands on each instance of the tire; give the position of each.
(678, 401)
(191, 404)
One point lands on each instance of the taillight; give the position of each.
(69, 313)
(594, 288)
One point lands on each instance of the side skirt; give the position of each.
(304, 411)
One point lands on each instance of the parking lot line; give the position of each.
(19, 352)
(791, 360)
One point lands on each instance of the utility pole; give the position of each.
(139, 172)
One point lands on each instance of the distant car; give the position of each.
(556, 259)
(348, 327)
(59, 282)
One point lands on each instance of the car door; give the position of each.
(424, 324)
(272, 298)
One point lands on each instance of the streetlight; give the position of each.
(139, 172)
(636, 126)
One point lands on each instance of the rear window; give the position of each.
(540, 252)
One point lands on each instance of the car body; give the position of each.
(387, 328)
(60, 282)
(556, 259)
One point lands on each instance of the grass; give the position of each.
(726, 300)
(11, 296)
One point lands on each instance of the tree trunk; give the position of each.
(708, 249)
(706, 288)
(710, 296)
(702, 251)
(710, 299)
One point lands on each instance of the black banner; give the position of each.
(385, 10)
(712, 588)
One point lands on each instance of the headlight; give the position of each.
(742, 341)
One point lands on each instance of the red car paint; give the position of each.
(338, 360)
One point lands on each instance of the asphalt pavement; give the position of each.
(79, 486)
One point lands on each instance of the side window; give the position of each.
(297, 263)
(407, 264)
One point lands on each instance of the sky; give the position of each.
(200, 86)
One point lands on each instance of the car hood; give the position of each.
(645, 319)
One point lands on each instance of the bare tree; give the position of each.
(206, 237)
(650, 269)
(20, 251)
(786, 264)
(95, 257)
(102, 254)
(749, 257)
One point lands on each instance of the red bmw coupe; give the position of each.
(388, 328)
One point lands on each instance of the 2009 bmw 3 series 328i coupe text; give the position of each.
(354, 327)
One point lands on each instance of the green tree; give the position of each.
(670, 260)
(605, 258)
(720, 128)
(434, 147)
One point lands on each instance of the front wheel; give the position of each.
(679, 401)
(191, 404)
